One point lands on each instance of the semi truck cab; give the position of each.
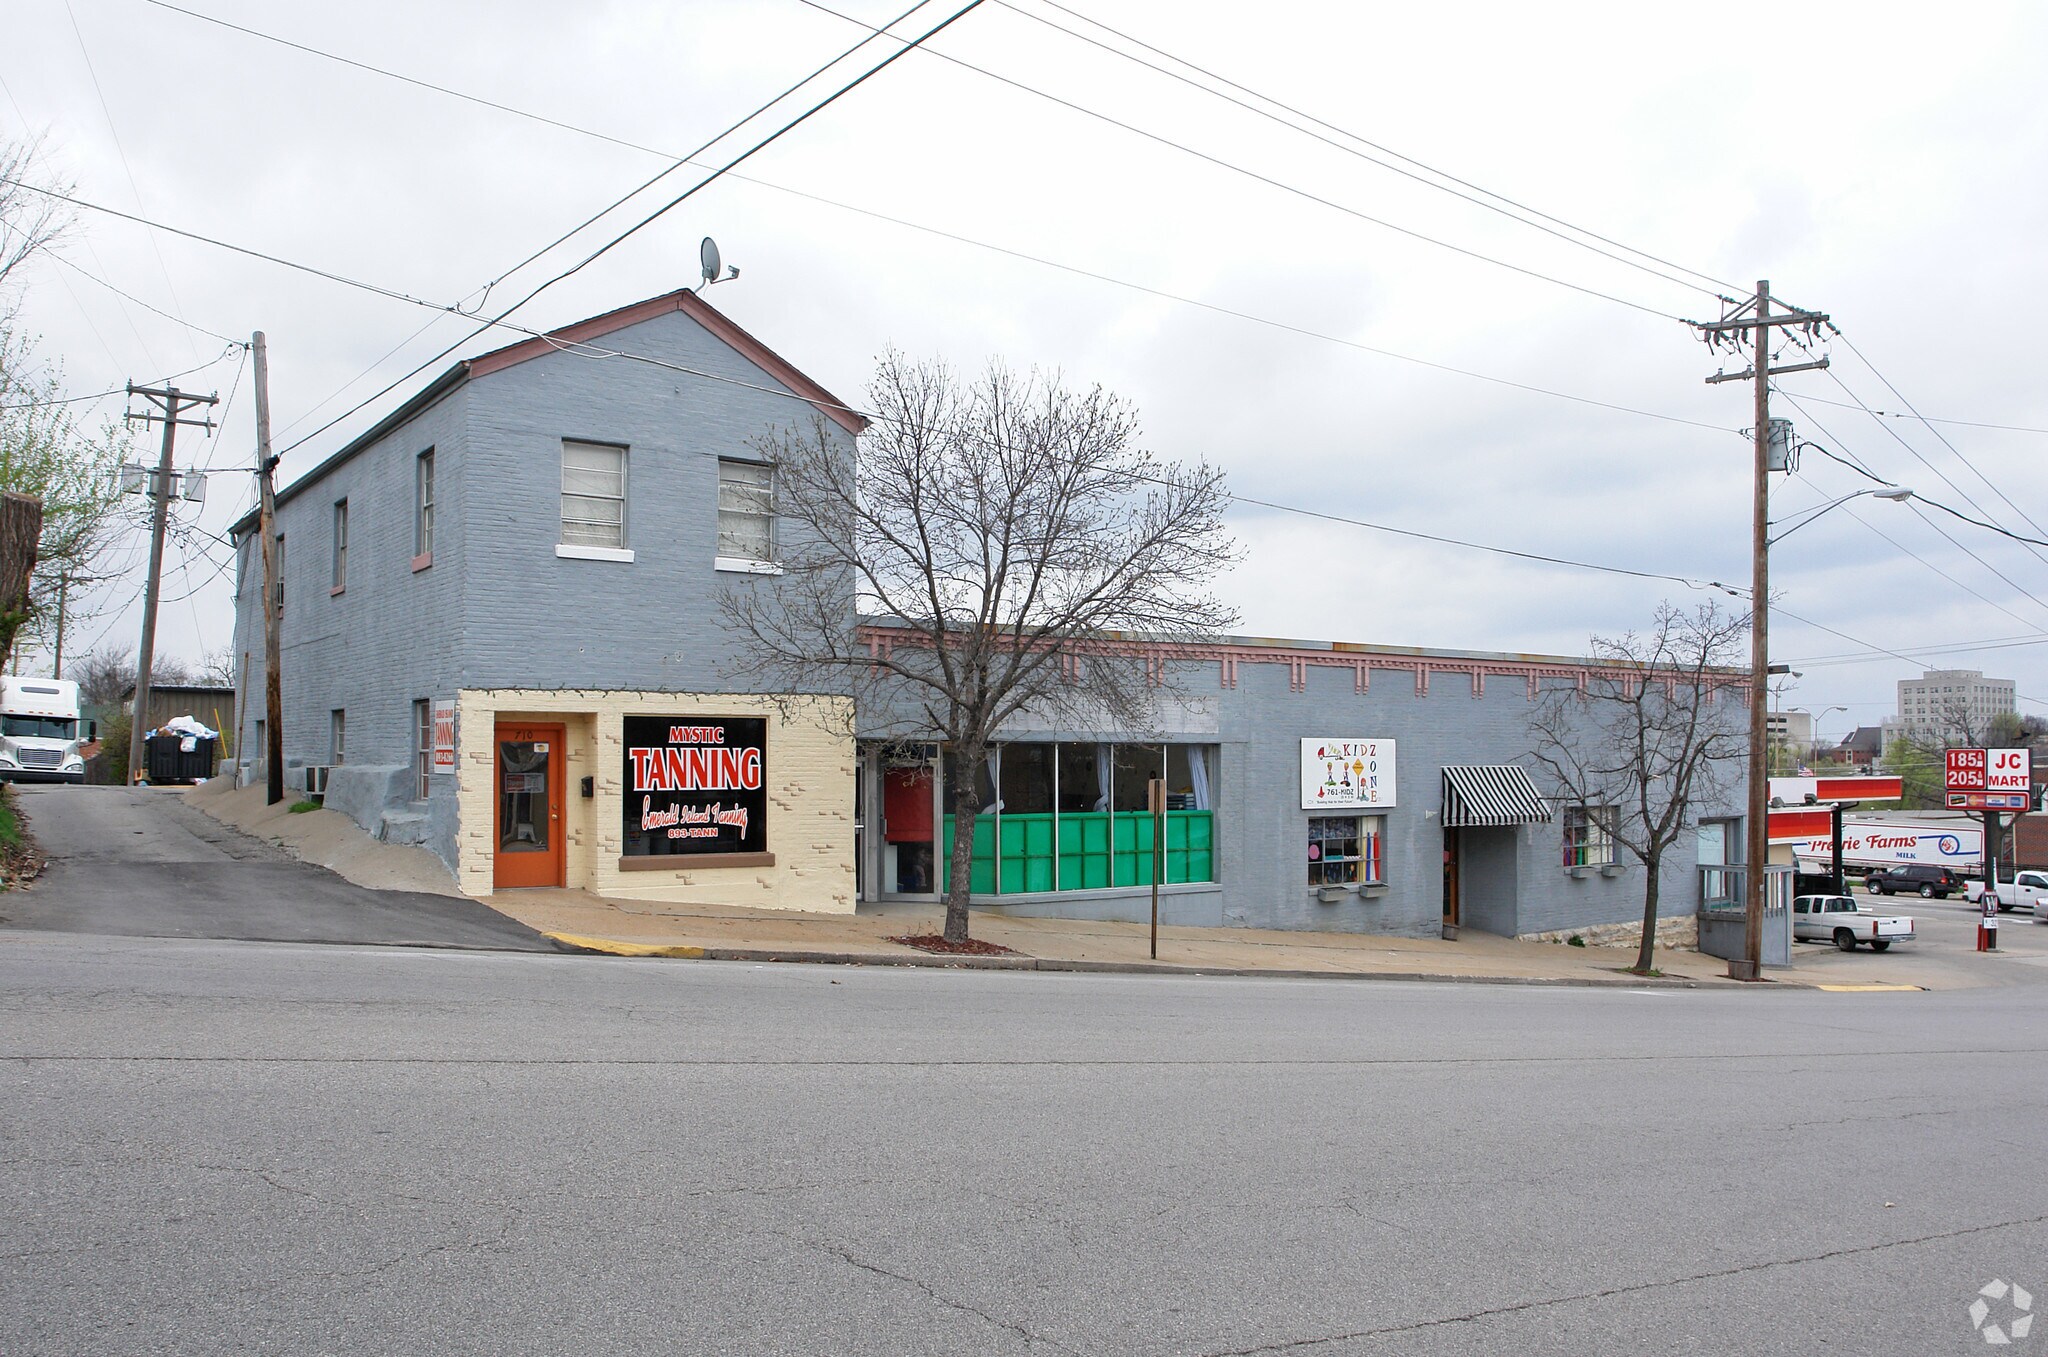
(39, 734)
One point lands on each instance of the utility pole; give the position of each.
(63, 598)
(1757, 319)
(273, 681)
(169, 405)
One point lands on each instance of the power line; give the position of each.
(1950, 537)
(708, 179)
(1384, 150)
(1688, 582)
(1926, 419)
(1266, 179)
(121, 390)
(1945, 648)
(584, 349)
(1512, 215)
(1939, 434)
(180, 320)
(1876, 531)
(938, 232)
(1917, 455)
(122, 151)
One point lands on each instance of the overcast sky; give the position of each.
(1882, 162)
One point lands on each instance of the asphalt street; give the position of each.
(139, 862)
(232, 1147)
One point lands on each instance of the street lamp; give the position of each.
(1897, 493)
(1757, 852)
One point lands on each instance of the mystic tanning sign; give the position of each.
(696, 785)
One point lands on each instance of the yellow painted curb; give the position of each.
(611, 948)
(1872, 989)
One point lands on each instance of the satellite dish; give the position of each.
(708, 253)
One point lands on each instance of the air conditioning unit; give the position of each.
(316, 779)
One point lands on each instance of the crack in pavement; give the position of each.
(1833, 1060)
(846, 1256)
(1471, 1317)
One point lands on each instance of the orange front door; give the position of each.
(529, 788)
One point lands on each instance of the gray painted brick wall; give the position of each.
(498, 608)
(1513, 878)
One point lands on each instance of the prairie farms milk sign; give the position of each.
(1347, 774)
(1873, 844)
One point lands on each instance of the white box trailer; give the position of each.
(1870, 843)
(39, 731)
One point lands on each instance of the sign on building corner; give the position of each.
(444, 734)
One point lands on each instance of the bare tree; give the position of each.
(106, 676)
(46, 450)
(30, 221)
(1655, 731)
(1010, 537)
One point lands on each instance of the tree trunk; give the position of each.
(21, 524)
(966, 804)
(1651, 872)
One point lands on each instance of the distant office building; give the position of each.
(1792, 729)
(1953, 706)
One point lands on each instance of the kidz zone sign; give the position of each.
(696, 786)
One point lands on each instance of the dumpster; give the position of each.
(170, 761)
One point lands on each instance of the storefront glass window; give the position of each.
(1074, 816)
(1343, 849)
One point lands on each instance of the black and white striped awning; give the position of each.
(1491, 795)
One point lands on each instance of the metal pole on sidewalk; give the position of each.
(1155, 795)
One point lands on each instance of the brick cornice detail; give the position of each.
(1229, 657)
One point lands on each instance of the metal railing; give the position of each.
(1723, 912)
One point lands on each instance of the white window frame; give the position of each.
(730, 555)
(340, 546)
(337, 725)
(1589, 835)
(423, 746)
(1362, 869)
(594, 550)
(423, 509)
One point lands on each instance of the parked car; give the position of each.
(2026, 888)
(1924, 879)
(1840, 920)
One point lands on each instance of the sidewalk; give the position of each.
(638, 928)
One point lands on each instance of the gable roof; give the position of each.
(719, 325)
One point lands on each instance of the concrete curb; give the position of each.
(608, 947)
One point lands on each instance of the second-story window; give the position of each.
(340, 545)
(746, 512)
(423, 510)
(593, 495)
(280, 575)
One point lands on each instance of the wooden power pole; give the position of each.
(1758, 320)
(273, 680)
(168, 407)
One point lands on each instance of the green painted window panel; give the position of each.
(981, 868)
(1095, 850)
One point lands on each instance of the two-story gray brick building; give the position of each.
(501, 595)
(500, 641)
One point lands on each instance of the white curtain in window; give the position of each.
(1198, 774)
(995, 781)
(1105, 767)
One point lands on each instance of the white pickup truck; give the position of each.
(2025, 889)
(1840, 920)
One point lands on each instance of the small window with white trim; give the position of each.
(1346, 849)
(746, 513)
(593, 495)
(1589, 836)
